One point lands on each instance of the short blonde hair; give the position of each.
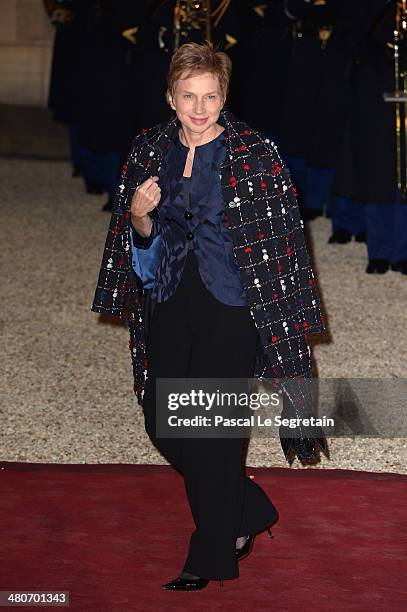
(194, 59)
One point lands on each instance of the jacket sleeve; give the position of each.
(113, 288)
(144, 242)
(290, 356)
(296, 381)
(297, 267)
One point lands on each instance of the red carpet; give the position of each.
(112, 534)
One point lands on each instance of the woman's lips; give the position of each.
(199, 121)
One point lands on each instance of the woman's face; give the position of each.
(198, 101)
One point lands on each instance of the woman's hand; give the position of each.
(145, 198)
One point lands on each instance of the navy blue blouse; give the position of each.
(200, 226)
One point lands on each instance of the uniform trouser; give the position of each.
(386, 226)
(348, 215)
(314, 184)
(97, 167)
(101, 168)
(195, 335)
(76, 152)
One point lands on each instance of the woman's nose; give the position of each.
(199, 106)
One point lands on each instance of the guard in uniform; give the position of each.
(316, 98)
(63, 98)
(162, 31)
(264, 43)
(368, 170)
(105, 120)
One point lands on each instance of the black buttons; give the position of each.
(190, 235)
(188, 214)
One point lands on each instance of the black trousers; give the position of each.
(194, 335)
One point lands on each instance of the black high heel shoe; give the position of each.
(248, 545)
(188, 584)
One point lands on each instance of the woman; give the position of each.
(207, 215)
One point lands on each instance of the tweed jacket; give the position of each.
(263, 217)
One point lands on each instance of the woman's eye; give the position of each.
(213, 96)
(187, 95)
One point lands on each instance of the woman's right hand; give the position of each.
(145, 198)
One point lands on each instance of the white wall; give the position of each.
(26, 39)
